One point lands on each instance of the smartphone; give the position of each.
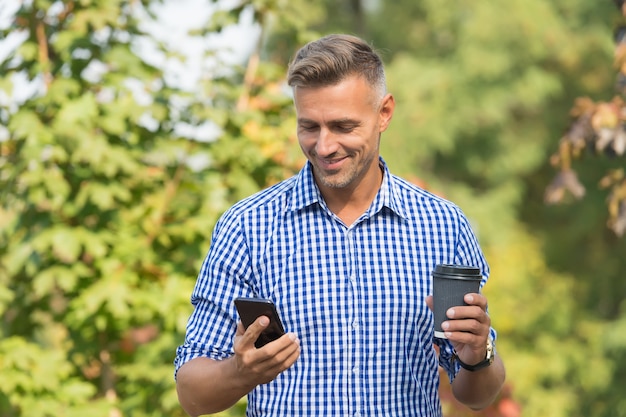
(252, 308)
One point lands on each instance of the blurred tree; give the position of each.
(107, 204)
(481, 88)
(601, 128)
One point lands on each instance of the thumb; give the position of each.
(254, 330)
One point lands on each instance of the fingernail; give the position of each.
(445, 325)
(264, 321)
(469, 299)
(450, 313)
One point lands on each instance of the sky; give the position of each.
(175, 19)
(7, 9)
(235, 43)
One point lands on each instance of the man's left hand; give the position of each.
(468, 327)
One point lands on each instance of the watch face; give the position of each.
(490, 354)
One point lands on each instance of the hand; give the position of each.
(262, 365)
(468, 328)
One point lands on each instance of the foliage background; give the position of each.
(110, 185)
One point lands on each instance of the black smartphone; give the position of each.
(252, 308)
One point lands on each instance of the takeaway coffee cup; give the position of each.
(450, 284)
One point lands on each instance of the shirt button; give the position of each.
(355, 325)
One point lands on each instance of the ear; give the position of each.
(386, 111)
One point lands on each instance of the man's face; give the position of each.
(339, 129)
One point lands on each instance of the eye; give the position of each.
(345, 129)
(308, 128)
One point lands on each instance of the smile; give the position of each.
(331, 164)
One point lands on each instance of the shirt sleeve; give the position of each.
(225, 274)
(468, 252)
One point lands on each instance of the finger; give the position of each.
(429, 302)
(278, 355)
(283, 348)
(254, 330)
(467, 326)
(291, 359)
(471, 319)
(467, 312)
(465, 337)
(280, 348)
(276, 362)
(475, 299)
(240, 329)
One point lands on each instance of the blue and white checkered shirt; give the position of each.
(355, 296)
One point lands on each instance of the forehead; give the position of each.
(352, 96)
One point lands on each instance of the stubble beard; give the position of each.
(341, 178)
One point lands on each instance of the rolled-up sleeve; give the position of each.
(224, 275)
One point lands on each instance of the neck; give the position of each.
(349, 203)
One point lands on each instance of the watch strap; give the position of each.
(489, 357)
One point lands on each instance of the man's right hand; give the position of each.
(207, 386)
(262, 365)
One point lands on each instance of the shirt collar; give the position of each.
(389, 195)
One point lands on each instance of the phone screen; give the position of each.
(252, 308)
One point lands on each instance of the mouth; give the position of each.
(331, 164)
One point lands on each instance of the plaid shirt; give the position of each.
(355, 296)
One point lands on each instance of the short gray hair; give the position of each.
(329, 60)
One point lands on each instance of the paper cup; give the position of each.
(450, 284)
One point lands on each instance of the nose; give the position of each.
(327, 143)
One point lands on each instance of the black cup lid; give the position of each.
(458, 270)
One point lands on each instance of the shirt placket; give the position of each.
(354, 343)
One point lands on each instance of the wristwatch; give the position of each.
(489, 357)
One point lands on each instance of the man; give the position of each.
(345, 250)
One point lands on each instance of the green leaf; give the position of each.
(78, 112)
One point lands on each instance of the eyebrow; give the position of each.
(337, 122)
